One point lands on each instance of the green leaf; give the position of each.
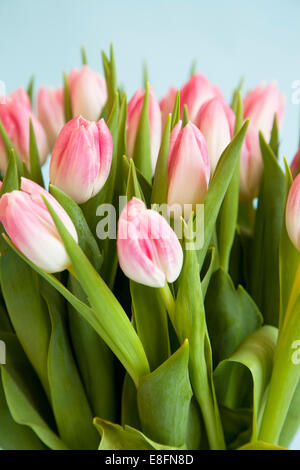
(251, 365)
(176, 111)
(138, 183)
(151, 323)
(185, 116)
(21, 291)
(292, 421)
(119, 332)
(95, 360)
(110, 73)
(30, 89)
(268, 224)
(274, 140)
(69, 403)
(212, 266)
(145, 74)
(115, 437)
(14, 436)
(231, 315)
(67, 99)
(164, 399)
(142, 146)
(160, 182)
(260, 445)
(133, 188)
(83, 55)
(24, 395)
(193, 68)
(218, 187)
(11, 178)
(9, 146)
(35, 164)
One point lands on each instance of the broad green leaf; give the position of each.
(69, 402)
(260, 445)
(231, 315)
(142, 146)
(195, 435)
(95, 360)
(268, 224)
(227, 219)
(218, 187)
(129, 407)
(115, 437)
(67, 99)
(24, 395)
(5, 324)
(35, 164)
(21, 291)
(123, 339)
(14, 436)
(151, 323)
(160, 182)
(190, 323)
(164, 399)
(250, 365)
(292, 421)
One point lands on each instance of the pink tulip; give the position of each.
(81, 158)
(15, 114)
(292, 214)
(251, 166)
(195, 92)
(189, 167)
(29, 225)
(50, 110)
(135, 106)
(215, 120)
(148, 249)
(295, 165)
(88, 93)
(260, 106)
(167, 104)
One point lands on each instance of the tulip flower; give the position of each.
(81, 158)
(167, 104)
(260, 106)
(50, 110)
(148, 249)
(195, 92)
(135, 106)
(295, 165)
(251, 166)
(88, 93)
(188, 166)
(215, 120)
(29, 225)
(15, 114)
(292, 214)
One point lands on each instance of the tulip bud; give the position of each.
(251, 165)
(148, 249)
(167, 104)
(15, 114)
(50, 110)
(81, 158)
(135, 106)
(195, 92)
(292, 214)
(29, 225)
(215, 120)
(88, 93)
(295, 165)
(260, 106)
(188, 167)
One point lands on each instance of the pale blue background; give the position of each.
(259, 39)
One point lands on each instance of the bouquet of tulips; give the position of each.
(150, 296)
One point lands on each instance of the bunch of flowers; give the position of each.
(149, 298)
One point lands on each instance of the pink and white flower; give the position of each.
(50, 110)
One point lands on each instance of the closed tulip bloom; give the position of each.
(88, 93)
(15, 114)
(135, 106)
(81, 158)
(29, 225)
(295, 165)
(215, 120)
(189, 167)
(292, 214)
(50, 110)
(195, 92)
(148, 249)
(167, 104)
(260, 106)
(251, 166)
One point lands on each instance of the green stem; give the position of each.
(286, 371)
(168, 301)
